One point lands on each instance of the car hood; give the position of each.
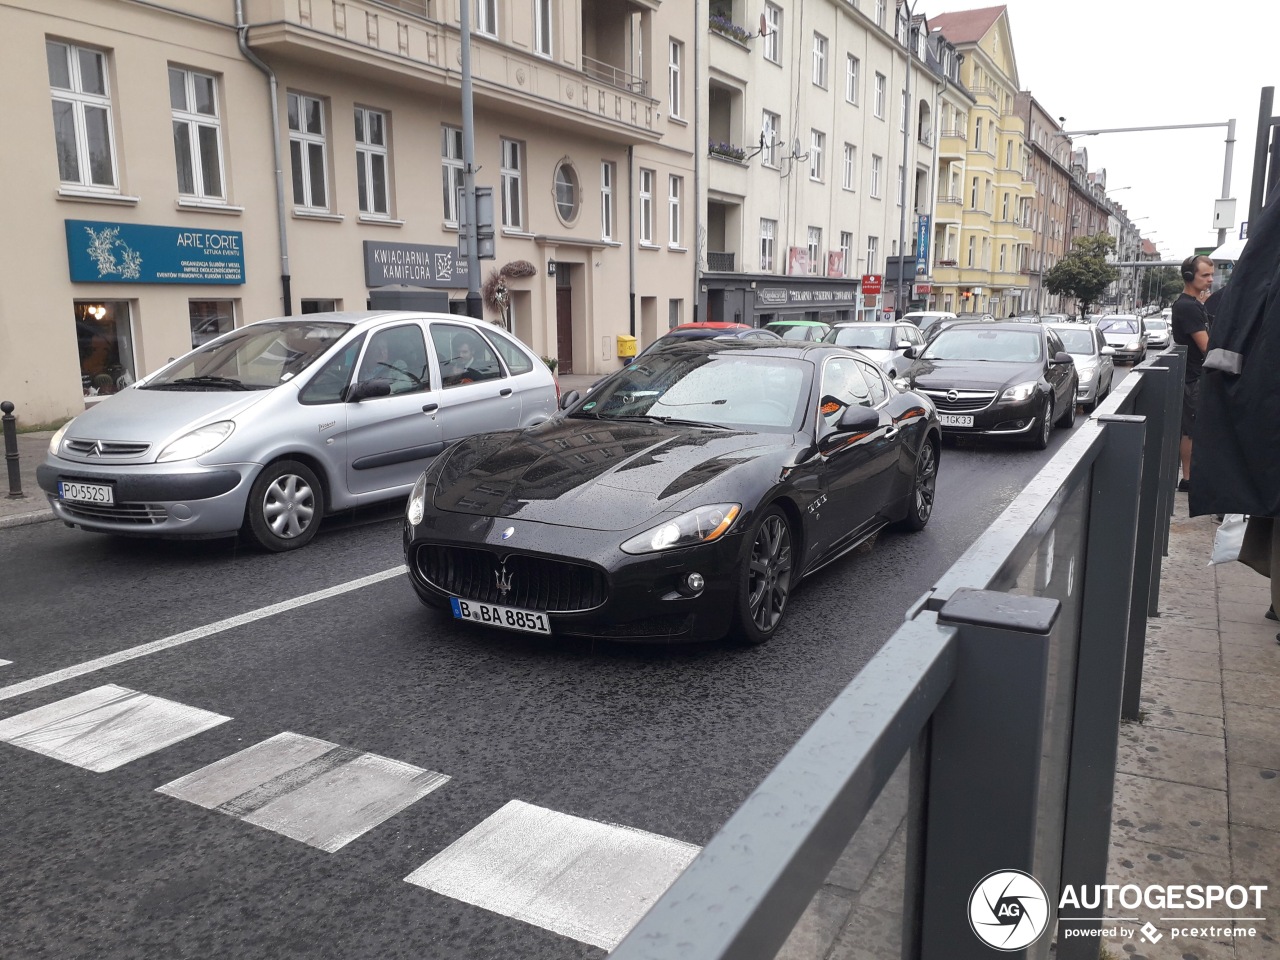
(597, 475)
(971, 374)
(155, 416)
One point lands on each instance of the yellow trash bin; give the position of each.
(626, 345)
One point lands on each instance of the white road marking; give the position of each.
(580, 878)
(307, 789)
(5, 663)
(199, 633)
(106, 727)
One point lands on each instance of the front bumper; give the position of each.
(180, 499)
(998, 418)
(641, 602)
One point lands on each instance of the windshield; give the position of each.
(868, 338)
(257, 357)
(1009, 346)
(791, 331)
(1118, 325)
(730, 389)
(1079, 342)
(1159, 326)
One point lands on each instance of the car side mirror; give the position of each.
(1108, 351)
(854, 419)
(903, 345)
(912, 351)
(364, 389)
(1062, 357)
(570, 398)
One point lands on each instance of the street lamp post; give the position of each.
(906, 144)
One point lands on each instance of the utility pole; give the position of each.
(898, 302)
(474, 306)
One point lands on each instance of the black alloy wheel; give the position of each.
(765, 579)
(923, 486)
(285, 505)
(1044, 427)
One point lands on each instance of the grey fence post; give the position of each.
(987, 741)
(1117, 521)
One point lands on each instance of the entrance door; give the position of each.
(564, 320)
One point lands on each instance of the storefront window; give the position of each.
(104, 336)
(210, 319)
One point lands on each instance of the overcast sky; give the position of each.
(1141, 63)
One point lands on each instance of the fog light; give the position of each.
(691, 584)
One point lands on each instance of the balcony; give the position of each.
(952, 145)
(720, 262)
(949, 209)
(396, 42)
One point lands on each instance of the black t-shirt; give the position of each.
(1188, 318)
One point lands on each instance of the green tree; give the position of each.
(1167, 284)
(1084, 272)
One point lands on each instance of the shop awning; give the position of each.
(1229, 251)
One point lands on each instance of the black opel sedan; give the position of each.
(683, 499)
(998, 379)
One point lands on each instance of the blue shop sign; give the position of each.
(101, 252)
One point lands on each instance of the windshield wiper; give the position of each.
(224, 383)
(687, 423)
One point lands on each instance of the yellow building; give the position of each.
(995, 191)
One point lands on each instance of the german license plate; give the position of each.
(86, 492)
(509, 618)
(955, 419)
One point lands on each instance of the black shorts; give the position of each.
(1190, 400)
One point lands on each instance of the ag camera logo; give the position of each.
(1008, 910)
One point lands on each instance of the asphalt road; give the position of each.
(666, 740)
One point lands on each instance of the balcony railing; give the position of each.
(727, 151)
(719, 262)
(614, 76)
(954, 133)
(955, 200)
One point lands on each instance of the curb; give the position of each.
(26, 519)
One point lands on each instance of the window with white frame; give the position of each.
(849, 177)
(820, 61)
(876, 163)
(542, 27)
(197, 133)
(902, 185)
(675, 186)
(879, 97)
(487, 17)
(773, 34)
(879, 14)
(851, 66)
(768, 228)
(972, 242)
(873, 254)
(567, 191)
(846, 251)
(512, 174)
(307, 152)
(769, 131)
(82, 115)
(817, 147)
(606, 199)
(675, 311)
(371, 161)
(902, 118)
(1003, 249)
(646, 206)
(451, 170)
(675, 56)
(814, 248)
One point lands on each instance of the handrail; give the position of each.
(614, 76)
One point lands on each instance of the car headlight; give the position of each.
(1020, 392)
(198, 442)
(902, 383)
(702, 525)
(55, 442)
(417, 501)
(1133, 345)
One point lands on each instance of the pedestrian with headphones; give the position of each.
(1191, 330)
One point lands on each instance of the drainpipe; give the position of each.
(631, 234)
(699, 148)
(242, 34)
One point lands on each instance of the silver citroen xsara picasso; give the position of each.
(271, 426)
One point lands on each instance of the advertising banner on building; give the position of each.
(922, 244)
(104, 252)
(414, 265)
(797, 261)
(835, 263)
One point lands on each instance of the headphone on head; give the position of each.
(1189, 268)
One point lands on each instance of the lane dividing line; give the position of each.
(199, 633)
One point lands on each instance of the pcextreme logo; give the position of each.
(1008, 910)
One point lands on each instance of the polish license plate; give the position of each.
(509, 618)
(955, 419)
(86, 492)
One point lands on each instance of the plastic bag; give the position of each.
(1226, 542)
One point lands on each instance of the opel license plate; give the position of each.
(86, 492)
(955, 420)
(509, 618)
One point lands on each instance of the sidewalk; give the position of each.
(32, 507)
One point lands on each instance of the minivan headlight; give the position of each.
(55, 442)
(1020, 392)
(198, 442)
(702, 525)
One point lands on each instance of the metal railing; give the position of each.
(982, 737)
(719, 261)
(614, 76)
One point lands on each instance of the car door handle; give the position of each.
(504, 392)
(431, 408)
(891, 433)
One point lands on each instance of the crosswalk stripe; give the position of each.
(5, 663)
(309, 790)
(106, 727)
(580, 878)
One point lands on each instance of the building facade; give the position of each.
(153, 217)
(1049, 158)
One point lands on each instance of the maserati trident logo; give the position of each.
(503, 578)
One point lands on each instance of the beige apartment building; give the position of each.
(814, 147)
(145, 215)
(992, 262)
